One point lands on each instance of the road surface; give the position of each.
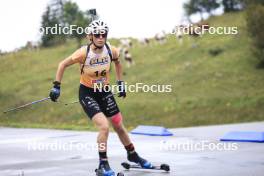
(191, 151)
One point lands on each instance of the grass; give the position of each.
(227, 88)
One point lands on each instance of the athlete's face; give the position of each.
(99, 39)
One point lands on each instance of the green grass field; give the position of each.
(226, 88)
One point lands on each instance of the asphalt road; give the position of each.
(191, 151)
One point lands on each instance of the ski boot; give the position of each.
(104, 169)
(134, 157)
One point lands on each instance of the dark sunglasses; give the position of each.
(98, 35)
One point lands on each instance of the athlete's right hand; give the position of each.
(55, 91)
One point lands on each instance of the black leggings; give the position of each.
(94, 102)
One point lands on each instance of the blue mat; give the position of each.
(151, 131)
(244, 136)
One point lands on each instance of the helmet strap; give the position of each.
(96, 46)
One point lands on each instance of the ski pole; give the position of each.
(66, 104)
(25, 105)
(77, 101)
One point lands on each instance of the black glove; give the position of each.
(121, 89)
(55, 91)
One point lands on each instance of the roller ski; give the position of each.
(141, 163)
(164, 167)
(105, 170)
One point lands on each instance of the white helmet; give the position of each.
(98, 27)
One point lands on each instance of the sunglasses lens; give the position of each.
(104, 35)
(98, 35)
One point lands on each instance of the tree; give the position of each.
(233, 5)
(81, 21)
(74, 16)
(70, 12)
(48, 20)
(52, 16)
(200, 6)
(63, 14)
(57, 9)
(209, 5)
(192, 7)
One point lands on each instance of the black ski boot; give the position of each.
(134, 157)
(104, 169)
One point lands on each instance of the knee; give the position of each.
(117, 119)
(104, 128)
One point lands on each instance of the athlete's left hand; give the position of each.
(121, 89)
